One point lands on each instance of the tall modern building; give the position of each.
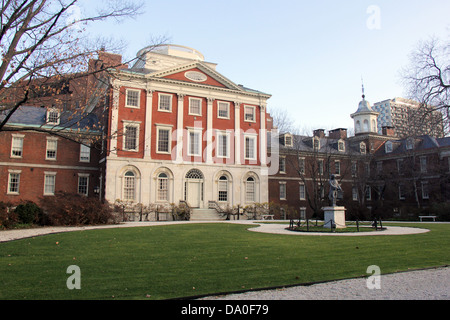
(408, 118)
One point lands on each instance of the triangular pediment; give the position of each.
(197, 73)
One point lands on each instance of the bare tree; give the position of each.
(45, 42)
(282, 120)
(427, 78)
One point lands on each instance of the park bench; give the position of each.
(429, 217)
(267, 216)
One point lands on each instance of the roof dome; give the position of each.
(364, 106)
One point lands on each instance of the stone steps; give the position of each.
(205, 215)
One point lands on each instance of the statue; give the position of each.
(334, 189)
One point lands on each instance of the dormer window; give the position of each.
(388, 147)
(53, 116)
(341, 146)
(362, 148)
(316, 144)
(288, 140)
(409, 143)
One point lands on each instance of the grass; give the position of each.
(176, 261)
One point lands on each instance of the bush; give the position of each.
(65, 209)
(8, 218)
(28, 213)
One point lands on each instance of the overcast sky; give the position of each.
(310, 55)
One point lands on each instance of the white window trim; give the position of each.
(300, 196)
(54, 183)
(56, 149)
(337, 165)
(135, 124)
(282, 170)
(8, 191)
(283, 183)
(255, 149)
(341, 143)
(220, 134)
(138, 98)
(81, 152)
(427, 195)
(228, 109)
(190, 104)
(159, 102)
(253, 112)
(196, 132)
(168, 128)
(83, 175)
(13, 137)
(53, 110)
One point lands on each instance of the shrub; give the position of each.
(28, 213)
(8, 218)
(65, 209)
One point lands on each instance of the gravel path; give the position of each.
(430, 284)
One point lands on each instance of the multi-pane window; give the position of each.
(163, 143)
(195, 106)
(249, 113)
(301, 165)
(250, 148)
(52, 146)
(222, 145)
(17, 146)
(14, 182)
(83, 184)
(194, 148)
(49, 183)
(53, 116)
(132, 98)
(355, 193)
(223, 189)
(282, 165)
(223, 110)
(163, 187)
(337, 167)
(423, 164)
(85, 153)
(425, 194)
(165, 102)
(302, 191)
(320, 166)
(131, 137)
(250, 189)
(282, 190)
(129, 186)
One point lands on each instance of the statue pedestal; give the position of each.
(336, 215)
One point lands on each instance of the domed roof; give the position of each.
(364, 106)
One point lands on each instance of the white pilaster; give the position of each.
(237, 133)
(263, 136)
(179, 129)
(148, 124)
(114, 121)
(209, 131)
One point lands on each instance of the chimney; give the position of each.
(388, 131)
(320, 133)
(339, 133)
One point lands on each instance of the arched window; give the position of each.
(358, 127)
(366, 126)
(374, 126)
(194, 174)
(250, 189)
(163, 187)
(129, 186)
(223, 189)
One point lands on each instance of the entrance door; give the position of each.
(194, 188)
(194, 193)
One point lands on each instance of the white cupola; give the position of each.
(365, 118)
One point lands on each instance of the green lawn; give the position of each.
(175, 261)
